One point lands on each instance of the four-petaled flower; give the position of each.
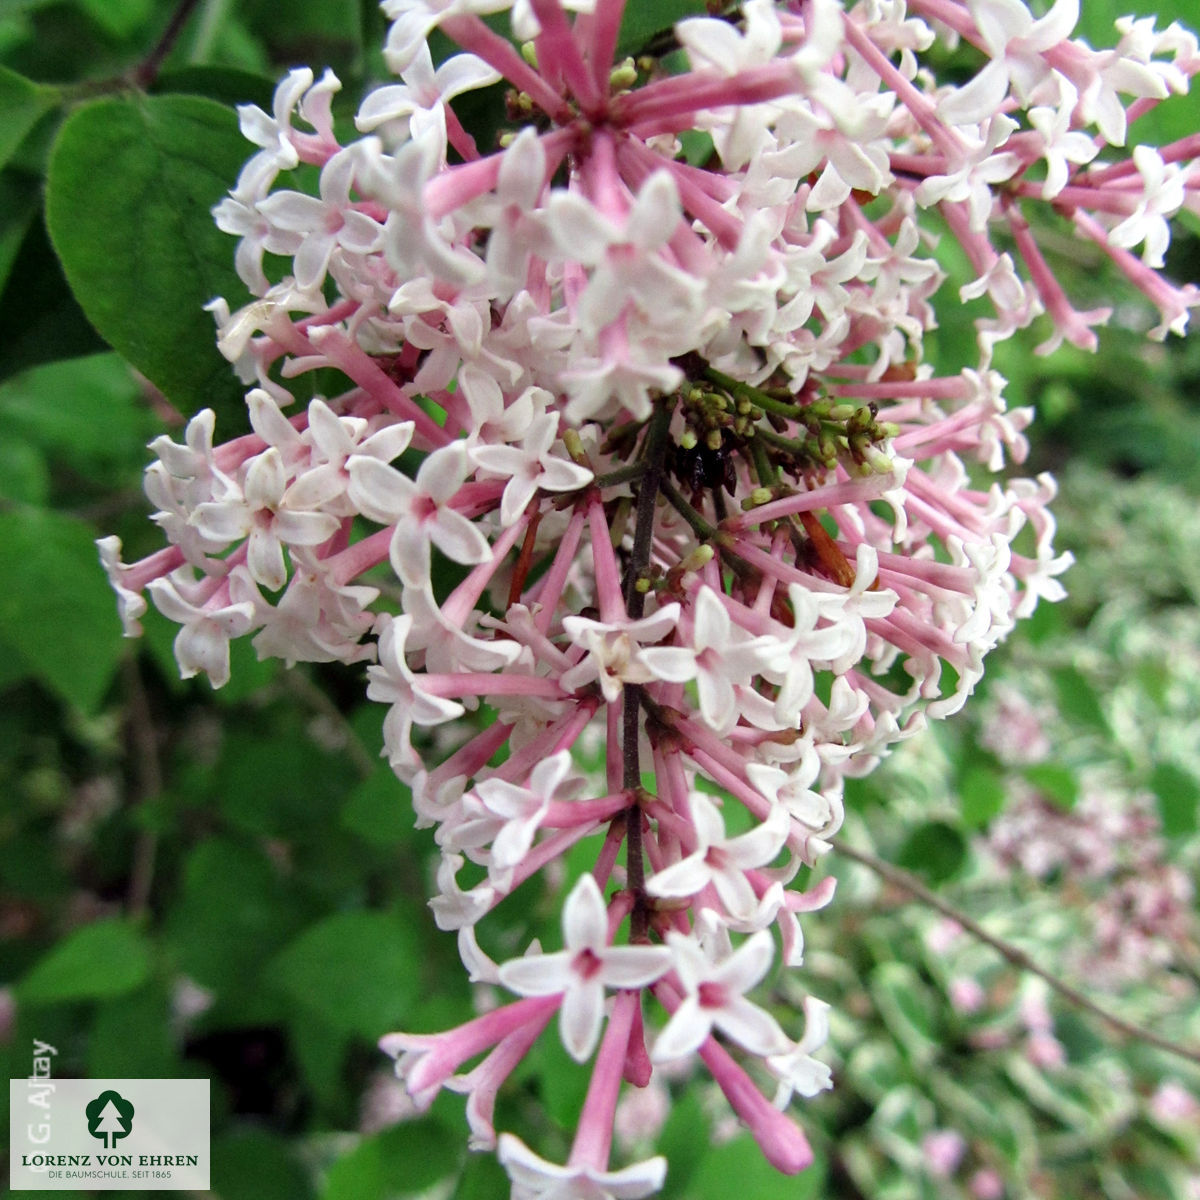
(580, 972)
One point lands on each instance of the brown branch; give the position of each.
(654, 452)
(147, 70)
(1017, 957)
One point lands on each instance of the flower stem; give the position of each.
(654, 453)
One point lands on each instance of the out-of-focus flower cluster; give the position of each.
(1084, 859)
(636, 435)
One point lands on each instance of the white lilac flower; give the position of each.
(714, 998)
(584, 968)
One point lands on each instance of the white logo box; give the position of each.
(83, 1134)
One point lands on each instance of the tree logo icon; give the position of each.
(109, 1117)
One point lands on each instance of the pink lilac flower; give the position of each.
(943, 1150)
(668, 417)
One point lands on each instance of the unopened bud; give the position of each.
(700, 557)
(759, 496)
(712, 439)
(879, 462)
(623, 75)
(574, 445)
(529, 53)
(687, 439)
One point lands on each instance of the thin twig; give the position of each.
(1018, 958)
(702, 528)
(147, 70)
(625, 474)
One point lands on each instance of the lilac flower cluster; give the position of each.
(650, 373)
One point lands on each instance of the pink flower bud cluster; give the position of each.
(650, 376)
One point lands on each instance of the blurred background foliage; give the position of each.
(228, 885)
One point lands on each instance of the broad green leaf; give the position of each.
(561, 1086)
(40, 320)
(934, 850)
(283, 787)
(56, 607)
(642, 21)
(20, 199)
(875, 1067)
(252, 1164)
(358, 971)
(129, 194)
(681, 1142)
(1077, 699)
(95, 962)
(24, 479)
(87, 410)
(234, 911)
(1056, 782)
(22, 102)
(981, 794)
(1178, 793)
(227, 85)
(320, 1053)
(738, 1168)
(132, 1037)
(380, 810)
(907, 1008)
(483, 1178)
(118, 19)
(405, 1160)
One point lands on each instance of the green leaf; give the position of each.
(934, 850)
(40, 320)
(88, 410)
(252, 1164)
(228, 85)
(380, 811)
(56, 607)
(1077, 699)
(234, 911)
(276, 786)
(358, 971)
(401, 1161)
(642, 21)
(143, 282)
(1178, 794)
(1056, 782)
(25, 479)
(981, 793)
(483, 1178)
(907, 1009)
(95, 962)
(22, 102)
(132, 1037)
(20, 199)
(738, 1168)
(119, 20)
